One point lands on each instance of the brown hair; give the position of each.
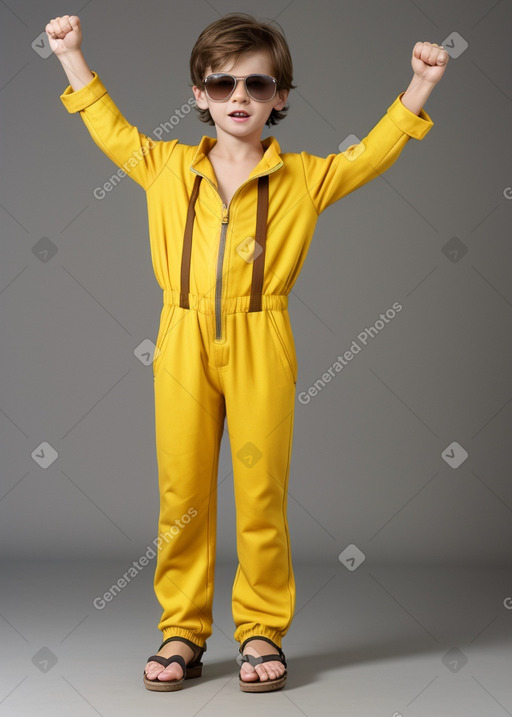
(231, 37)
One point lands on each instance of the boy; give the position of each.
(230, 223)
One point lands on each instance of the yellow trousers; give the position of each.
(249, 379)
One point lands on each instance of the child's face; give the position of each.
(257, 62)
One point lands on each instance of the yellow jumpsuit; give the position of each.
(225, 348)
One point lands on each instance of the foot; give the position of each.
(155, 670)
(270, 670)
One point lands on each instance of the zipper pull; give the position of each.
(224, 214)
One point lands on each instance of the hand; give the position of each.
(429, 61)
(64, 34)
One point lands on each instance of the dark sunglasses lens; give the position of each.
(219, 86)
(260, 87)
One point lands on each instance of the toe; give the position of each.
(152, 670)
(248, 673)
(270, 670)
(262, 672)
(173, 672)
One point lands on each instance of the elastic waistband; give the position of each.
(230, 305)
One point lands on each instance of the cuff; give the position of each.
(76, 100)
(415, 126)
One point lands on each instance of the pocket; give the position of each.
(162, 339)
(285, 344)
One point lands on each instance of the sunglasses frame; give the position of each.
(236, 80)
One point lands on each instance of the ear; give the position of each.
(200, 96)
(280, 99)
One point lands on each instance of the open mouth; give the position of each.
(239, 113)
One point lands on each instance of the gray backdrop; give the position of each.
(373, 461)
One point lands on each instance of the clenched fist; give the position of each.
(64, 34)
(429, 61)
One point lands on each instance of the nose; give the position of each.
(240, 93)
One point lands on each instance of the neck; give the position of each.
(238, 149)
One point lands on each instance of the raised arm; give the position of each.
(141, 157)
(330, 178)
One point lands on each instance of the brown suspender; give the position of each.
(258, 265)
(187, 246)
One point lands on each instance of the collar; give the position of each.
(270, 161)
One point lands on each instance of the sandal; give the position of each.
(261, 685)
(194, 669)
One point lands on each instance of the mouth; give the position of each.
(240, 114)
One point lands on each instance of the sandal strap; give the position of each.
(166, 661)
(259, 637)
(264, 658)
(251, 659)
(197, 655)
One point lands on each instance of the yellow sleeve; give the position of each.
(140, 156)
(333, 177)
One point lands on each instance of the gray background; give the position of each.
(367, 464)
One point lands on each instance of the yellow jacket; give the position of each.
(301, 186)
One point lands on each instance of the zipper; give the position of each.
(222, 246)
(220, 261)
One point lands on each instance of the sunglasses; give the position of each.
(220, 86)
